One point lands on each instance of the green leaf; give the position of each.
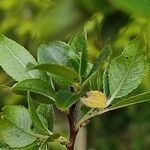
(62, 71)
(55, 53)
(126, 71)
(4, 146)
(60, 82)
(140, 98)
(106, 82)
(106, 52)
(33, 146)
(65, 99)
(47, 112)
(37, 122)
(78, 44)
(53, 137)
(14, 59)
(15, 127)
(140, 8)
(35, 86)
(93, 79)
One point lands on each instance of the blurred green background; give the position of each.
(113, 22)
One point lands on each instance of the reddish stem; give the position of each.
(73, 130)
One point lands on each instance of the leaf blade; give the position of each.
(54, 53)
(15, 124)
(65, 99)
(127, 68)
(47, 112)
(78, 44)
(106, 52)
(60, 70)
(132, 100)
(14, 59)
(94, 76)
(38, 124)
(36, 86)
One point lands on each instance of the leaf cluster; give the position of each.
(59, 78)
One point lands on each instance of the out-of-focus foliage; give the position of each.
(107, 22)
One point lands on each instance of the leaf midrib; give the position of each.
(29, 89)
(29, 133)
(123, 80)
(32, 75)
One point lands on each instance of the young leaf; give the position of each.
(15, 127)
(65, 99)
(35, 86)
(106, 52)
(78, 44)
(131, 101)
(126, 71)
(62, 71)
(47, 112)
(93, 79)
(37, 122)
(14, 59)
(106, 82)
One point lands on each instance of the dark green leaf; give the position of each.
(35, 86)
(106, 83)
(93, 80)
(78, 44)
(62, 71)
(53, 137)
(65, 99)
(14, 59)
(56, 53)
(3, 146)
(47, 112)
(106, 52)
(37, 122)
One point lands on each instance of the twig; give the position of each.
(73, 130)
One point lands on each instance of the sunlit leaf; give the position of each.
(126, 71)
(15, 59)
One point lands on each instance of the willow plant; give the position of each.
(63, 78)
